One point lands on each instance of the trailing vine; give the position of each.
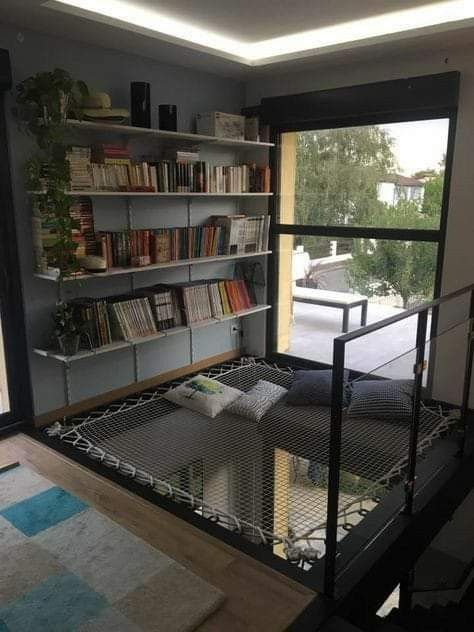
(43, 103)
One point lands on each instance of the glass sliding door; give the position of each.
(359, 220)
(4, 392)
(15, 393)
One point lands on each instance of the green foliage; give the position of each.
(433, 195)
(385, 267)
(64, 321)
(43, 103)
(337, 172)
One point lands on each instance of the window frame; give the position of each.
(401, 112)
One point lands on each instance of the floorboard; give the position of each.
(258, 598)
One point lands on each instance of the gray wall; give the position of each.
(458, 268)
(112, 72)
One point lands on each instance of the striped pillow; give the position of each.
(381, 399)
(255, 403)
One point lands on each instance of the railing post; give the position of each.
(335, 437)
(468, 374)
(415, 419)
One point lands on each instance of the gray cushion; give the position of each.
(255, 403)
(381, 399)
(313, 388)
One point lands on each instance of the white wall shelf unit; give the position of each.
(124, 344)
(112, 272)
(159, 134)
(193, 341)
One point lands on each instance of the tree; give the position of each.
(433, 196)
(337, 172)
(385, 267)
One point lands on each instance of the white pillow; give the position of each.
(255, 403)
(203, 395)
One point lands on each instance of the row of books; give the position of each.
(158, 308)
(228, 235)
(109, 167)
(223, 235)
(144, 247)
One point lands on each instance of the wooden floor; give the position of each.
(257, 597)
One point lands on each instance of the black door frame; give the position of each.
(11, 296)
(416, 98)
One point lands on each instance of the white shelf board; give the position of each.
(154, 266)
(115, 346)
(123, 344)
(155, 194)
(140, 340)
(129, 130)
(245, 312)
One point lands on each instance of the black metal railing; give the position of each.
(422, 314)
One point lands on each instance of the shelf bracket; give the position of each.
(67, 383)
(129, 204)
(191, 345)
(136, 365)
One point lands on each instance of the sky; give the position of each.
(419, 145)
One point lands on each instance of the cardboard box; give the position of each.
(221, 125)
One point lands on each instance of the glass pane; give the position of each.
(327, 285)
(4, 400)
(389, 176)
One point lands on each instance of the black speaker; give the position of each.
(168, 117)
(140, 101)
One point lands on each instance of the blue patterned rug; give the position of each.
(64, 567)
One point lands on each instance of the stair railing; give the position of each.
(337, 413)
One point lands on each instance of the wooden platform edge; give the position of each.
(105, 398)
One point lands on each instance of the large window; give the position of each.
(387, 176)
(391, 275)
(359, 216)
(15, 396)
(4, 397)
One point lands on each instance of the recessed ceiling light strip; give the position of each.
(128, 14)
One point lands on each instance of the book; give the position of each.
(83, 233)
(79, 159)
(244, 234)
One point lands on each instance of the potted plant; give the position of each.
(43, 103)
(66, 331)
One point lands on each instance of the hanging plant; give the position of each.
(66, 332)
(43, 103)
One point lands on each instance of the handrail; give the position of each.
(390, 320)
(337, 415)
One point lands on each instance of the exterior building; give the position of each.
(395, 187)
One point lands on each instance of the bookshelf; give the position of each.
(127, 210)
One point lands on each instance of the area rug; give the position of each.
(64, 567)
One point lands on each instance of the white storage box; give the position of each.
(221, 124)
